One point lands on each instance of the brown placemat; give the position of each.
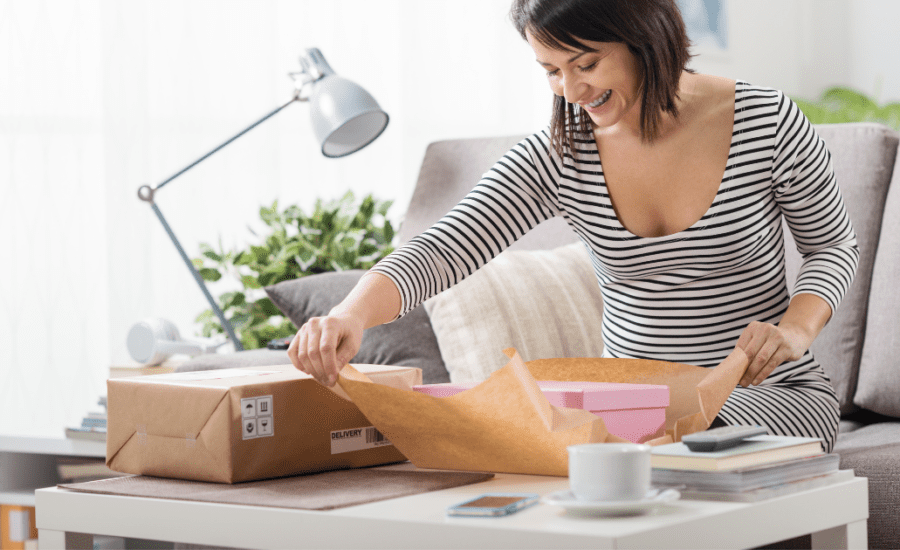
(322, 491)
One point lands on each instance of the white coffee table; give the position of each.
(835, 515)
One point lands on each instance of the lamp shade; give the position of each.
(345, 117)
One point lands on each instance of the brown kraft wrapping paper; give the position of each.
(505, 424)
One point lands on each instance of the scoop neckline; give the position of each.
(707, 214)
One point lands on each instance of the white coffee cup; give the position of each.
(609, 471)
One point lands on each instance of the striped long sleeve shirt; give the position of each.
(684, 297)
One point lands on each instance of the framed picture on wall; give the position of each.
(707, 25)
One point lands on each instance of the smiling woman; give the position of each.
(677, 184)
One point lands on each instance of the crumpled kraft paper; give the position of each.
(505, 424)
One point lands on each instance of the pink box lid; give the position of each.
(591, 396)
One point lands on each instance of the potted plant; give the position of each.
(338, 235)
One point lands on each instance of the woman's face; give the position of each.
(606, 82)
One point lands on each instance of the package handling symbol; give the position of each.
(264, 426)
(249, 429)
(248, 407)
(264, 405)
(257, 417)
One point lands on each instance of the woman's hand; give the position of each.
(324, 345)
(768, 346)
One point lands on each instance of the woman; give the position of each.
(676, 183)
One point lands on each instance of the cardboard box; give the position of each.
(234, 425)
(636, 412)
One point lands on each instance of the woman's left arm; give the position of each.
(809, 198)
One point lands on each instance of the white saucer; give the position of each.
(654, 498)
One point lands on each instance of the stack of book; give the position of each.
(93, 425)
(761, 467)
(80, 469)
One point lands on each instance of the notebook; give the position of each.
(760, 449)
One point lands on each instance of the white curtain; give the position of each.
(98, 97)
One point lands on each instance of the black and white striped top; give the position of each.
(684, 297)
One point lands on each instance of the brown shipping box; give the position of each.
(243, 424)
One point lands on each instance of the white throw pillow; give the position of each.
(544, 303)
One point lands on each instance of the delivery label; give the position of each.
(257, 417)
(357, 439)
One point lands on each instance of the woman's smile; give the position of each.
(599, 102)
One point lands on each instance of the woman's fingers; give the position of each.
(323, 345)
(768, 346)
(781, 355)
(328, 345)
(763, 345)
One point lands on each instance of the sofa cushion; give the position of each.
(879, 384)
(863, 157)
(543, 303)
(873, 452)
(407, 342)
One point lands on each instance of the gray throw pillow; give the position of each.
(407, 342)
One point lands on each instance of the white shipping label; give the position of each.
(357, 439)
(257, 417)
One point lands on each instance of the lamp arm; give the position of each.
(239, 134)
(187, 261)
(145, 193)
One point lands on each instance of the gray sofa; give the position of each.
(859, 348)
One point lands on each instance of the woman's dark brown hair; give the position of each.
(653, 30)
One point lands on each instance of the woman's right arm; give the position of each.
(516, 194)
(324, 345)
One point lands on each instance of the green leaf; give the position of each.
(267, 307)
(232, 299)
(205, 316)
(242, 258)
(250, 282)
(260, 253)
(208, 252)
(240, 320)
(208, 274)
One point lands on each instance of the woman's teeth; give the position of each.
(600, 100)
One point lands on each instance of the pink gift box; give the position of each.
(636, 412)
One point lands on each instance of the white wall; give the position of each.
(101, 96)
(806, 46)
(875, 66)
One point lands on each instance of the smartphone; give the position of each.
(494, 504)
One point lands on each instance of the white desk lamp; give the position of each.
(345, 118)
